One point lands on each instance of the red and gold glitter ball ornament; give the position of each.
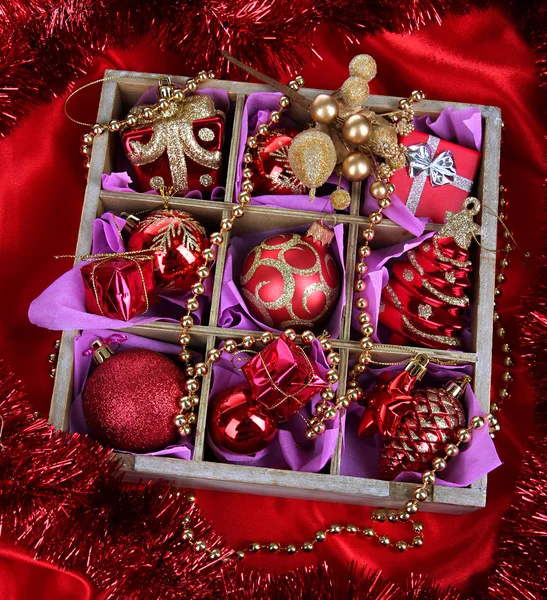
(238, 424)
(131, 399)
(178, 240)
(416, 425)
(291, 280)
(272, 171)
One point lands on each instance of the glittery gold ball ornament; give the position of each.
(340, 199)
(355, 92)
(356, 166)
(383, 141)
(324, 109)
(363, 66)
(356, 129)
(312, 158)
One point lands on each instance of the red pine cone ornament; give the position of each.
(178, 240)
(424, 299)
(291, 280)
(415, 425)
(131, 399)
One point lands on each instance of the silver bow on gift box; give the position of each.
(441, 170)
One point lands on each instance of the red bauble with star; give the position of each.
(292, 280)
(178, 240)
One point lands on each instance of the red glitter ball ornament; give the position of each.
(131, 399)
(178, 240)
(238, 424)
(291, 280)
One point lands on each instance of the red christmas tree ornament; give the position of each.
(131, 399)
(424, 300)
(291, 280)
(238, 424)
(271, 168)
(423, 433)
(182, 146)
(119, 288)
(283, 378)
(178, 241)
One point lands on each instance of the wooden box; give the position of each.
(118, 96)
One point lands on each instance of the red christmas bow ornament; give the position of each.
(391, 399)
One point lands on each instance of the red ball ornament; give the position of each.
(291, 280)
(179, 241)
(240, 425)
(272, 171)
(130, 400)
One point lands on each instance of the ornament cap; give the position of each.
(417, 367)
(319, 232)
(457, 387)
(101, 351)
(131, 222)
(165, 88)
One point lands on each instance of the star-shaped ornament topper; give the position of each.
(460, 226)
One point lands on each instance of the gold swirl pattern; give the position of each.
(288, 273)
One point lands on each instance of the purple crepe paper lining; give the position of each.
(82, 365)
(234, 312)
(289, 449)
(377, 278)
(120, 181)
(257, 112)
(61, 306)
(360, 456)
(463, 127)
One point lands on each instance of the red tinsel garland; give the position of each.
(46, 45)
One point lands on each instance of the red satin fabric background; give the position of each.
(481, 58)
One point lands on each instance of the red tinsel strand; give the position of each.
(520, 561)
(369, 584)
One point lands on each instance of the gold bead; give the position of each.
(507, 377)
(404, 104)
(240, 554)
(187, 321)
(428, 477)
(185, 356)
(215, 554)
(323, 109)
(493, 420)
(248, 157)
(97, 129)
(420, 494)
(368, 234)
(359, 286)
(392, 517)
(273, 546)
(439, 464)
(203, 272)
(500, 332)
(216, 238)
(494, 408)
(365, 251)
(364, 358)
(326, 345)
(379, 516)
(178, 94)
(390, 188)
(335, 529)
(504, 394)
(364, 317)
(211, 74)
(190, 371)
(209, 255)
(192, 385)
(361, 268)
(266, 337)
(238, 211)
(328, 395)
(191, 85)
(200, 546)
(308, 336)
(368, 532)
(477, 422)
(262, 129)
(180, 420)
(252, 142)
(197, 288)
(356, 166)
(464, 435)
(418, 541)
(86, 150)
(384, 540)
(366, 344)
(291, 549)
(275, 116)
(290, 333)
(284, 101)
(384, 203)
(226, 224)
(508, 361)
(299, 80)
(320, 536)
(87, 138)
(148, 113)
(293, 85)
(368, 329)
(451, 450)
(375, 217)
(248, 341)
(254, 547)
(333, 358)
(244, 197)
(360, 303)
(356, 130)
(351, 528)
(247, 185)
(184, 339)
(187, 535)
(378, 189)
(163, 104)
(185, 431)
(230, 346)
(506, 349)
(343, 402)
(418, 527)
(201, 369)
(192, 304)
(307, 546)
(401, 546)
(403, 516)
(192, 419)
(213, 355)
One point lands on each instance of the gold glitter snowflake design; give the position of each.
(174, 227)
(286, 178)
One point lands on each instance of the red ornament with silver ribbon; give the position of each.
(438, 177)
(292, 280)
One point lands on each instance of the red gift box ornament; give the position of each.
(119, 287)
(283, 378)
(439, 175)
(181, 148)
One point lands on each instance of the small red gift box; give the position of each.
(438, 177)
(119, 288)
(282, 378)
(177, 152)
